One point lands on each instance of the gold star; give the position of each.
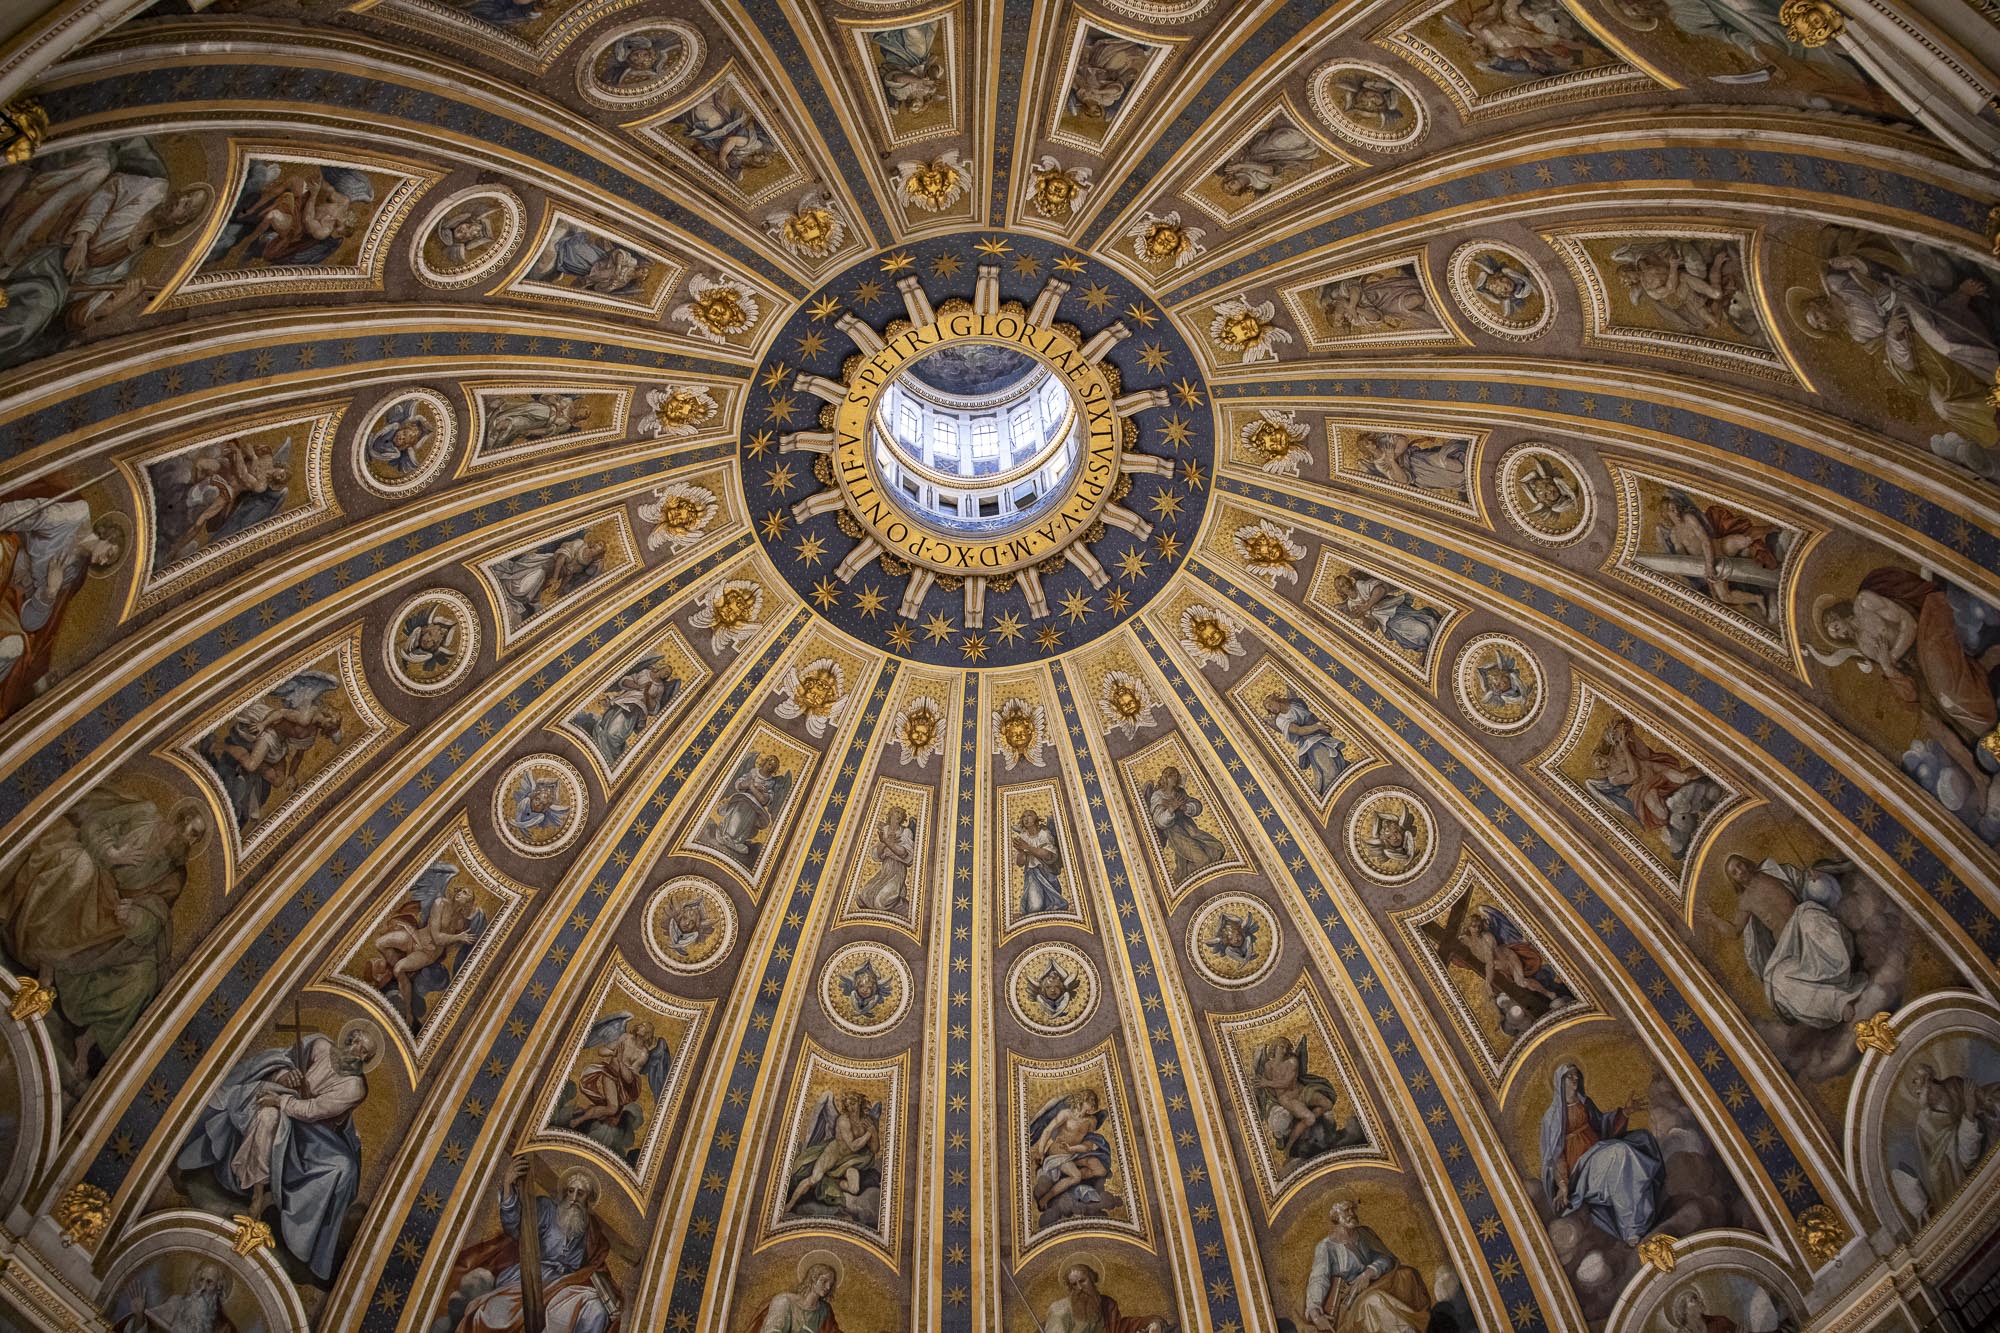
(1175, 429)
(780, 410)
(809, 550)
(1166, 504)
(1070, 264)
(778, 478)
(1189, 392)
(1139, 315)
(774, 525)
(938, 628)
(826, 594)
(824, 308)
(901, 637)
(1153, 356)
(869, 601)
(1076, 606)
(1048, 638)
(1132, 564)
(1027, 265)
(759, 444)
(946, 266)
(1192, 474)
(868, 292)
(1118, 601)
(897, 262)
(974, 647)
(1167, 545)
(774, 374)
(1008, 627)
(993, 245)
(1096, 296)
(812, 344)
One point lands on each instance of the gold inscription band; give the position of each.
(907, 535)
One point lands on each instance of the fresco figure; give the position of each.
(294, 214)
(1107, 68)
(265, 748)
(1033, 843)
(572, 1280)
(1297, 1107)
(217, 491)
(1386, 301)
(1267, 160)
(280, 1129)
(748, 807)
(1665, 794)
(198, 1308)
(1793, 940)
(89, 910)
(625, 1065)
(726, 134)
(805, 1308)
(1690, 285)
(1358, 1285)
(524, 418)
(399, 440)
(420, 947)
(1417, 462)
(865, 989)
(1731, 556)
(1525, 38)
(47, 548)
(427, 642)
(1083, 1308)
(1316, 750)
(1592, 1162)
(1957, 1123)
(1520, 981)
(589, 262)
(1173, 813)
(1688, 1312)
(912, 73)
(835, 1174)
(624, 710)
(895, 851)
(1386, 611)
(1072, 1158)
(535, 580)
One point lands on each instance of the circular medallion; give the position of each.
(865, 988)
(1501, 290)
(403, 443)
(1052, 988)
(690, 925)
(979, 449)
(541, 805)
(467, 236)
(1499, 683)
(1233, 940)
(1544, 494)
(1369, 105)
(1390, 835)
(433, 641)
(639, 64)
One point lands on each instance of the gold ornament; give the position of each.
(1263, 548)
(1056, 192)
(720, 309)
(31, 1001)
(251, 1235)
(934, 185)
(681, 408)
(83, 1212)
(1163, 241)
(23, 125)
(734, 607)
(1125, 699)
(818, 690)
(1017, 731)
(810, 230)
(920, 728)
(1209, 633)
(1821, 1232)
(1658, 1250)
(1811, 23)
(1875, 1034)
(1269, 439)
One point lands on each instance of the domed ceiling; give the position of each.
(1461, 795)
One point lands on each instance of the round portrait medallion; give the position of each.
(1233, 940)
(540, 806)
(1501, 290)
(865, 988)
(690, 925)
(1390, 835)
(1052, 988)
(402, 443)
(1544, 494)
(639, 64)
(1369, 105)
(467, 236)
(1499, 683)
(432, 641)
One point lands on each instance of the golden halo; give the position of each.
(827, 1257)
(111, 525)
(363, 1025)
(181, 233)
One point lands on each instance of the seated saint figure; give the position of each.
(1592, 1162)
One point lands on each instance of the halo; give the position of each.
(182, 232)
(111, 525)
(187, 803)
(363, 1025)
(1090, 1259)
(1795, 303)
(827, 1257)
(1821, 604)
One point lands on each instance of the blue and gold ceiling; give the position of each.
(1472, 803)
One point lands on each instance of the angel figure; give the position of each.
(1054, 989)
(1296, 1106)
(216, 491)
(621, 1076)
(1732, 556)
(420, 946)
(1033, 844)
(836, 1173)
(1691, 285)
(1235, 938)
(1525, 38)
(726, 135)
(265, 745)
(538, 813)
(398, 442)
(748, 806)
(620, 713)
(1270, 158)
(1372, 100)
(525, 418)
(466, 230)
(538, 578)
(1502, 284)
(1521, 983)
(1551, 496)
(1106, 69)
(1173, 812)
(1071, 1157)
(1387, 301)
(1316, 749)
(895, 851)
(1422, 462)
(912, 74)
(427, 641)
(686, 927)
(293, 215)
(865, 989)
(1391, 613)
(1393, 837)
(638, 60)
(1664, 793)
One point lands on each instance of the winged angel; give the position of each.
(837, 1174)
(264, 747)
(420, 946)
(622, 1075)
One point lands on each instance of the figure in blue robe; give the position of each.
(1592, 1161)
